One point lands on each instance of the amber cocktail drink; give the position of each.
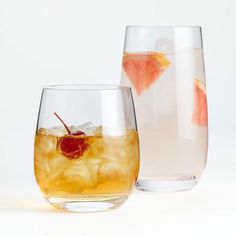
(86, 165)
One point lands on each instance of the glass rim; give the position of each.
(85, 87)
(165, 26)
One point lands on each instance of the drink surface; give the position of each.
(171, 106)
(103, 165)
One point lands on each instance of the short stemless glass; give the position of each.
(86, 154)
(164, 65)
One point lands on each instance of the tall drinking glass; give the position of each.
(165, 68)
(86, 155)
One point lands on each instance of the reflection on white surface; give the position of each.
(208, 208)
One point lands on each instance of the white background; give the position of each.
(73, 41)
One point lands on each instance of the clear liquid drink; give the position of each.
(165, 68)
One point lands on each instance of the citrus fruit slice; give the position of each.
(200, 116)
(143, 69)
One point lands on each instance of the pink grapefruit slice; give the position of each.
(200, 116)
(143, 69)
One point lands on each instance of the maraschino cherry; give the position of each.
(72, 147)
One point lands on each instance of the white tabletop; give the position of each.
(208, 209)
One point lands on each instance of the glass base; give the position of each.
(162, 184)
(89, 204)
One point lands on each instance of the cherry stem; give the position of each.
(66, 127)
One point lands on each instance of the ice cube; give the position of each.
(164, 46)
(79, 173)
(45, 144)
(57, 164)
(88, 128)
(112, 169)
(93, 165)
(55, 131)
